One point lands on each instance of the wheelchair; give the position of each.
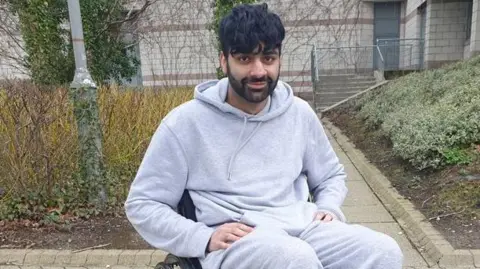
(186, 208)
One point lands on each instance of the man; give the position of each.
(250, 153)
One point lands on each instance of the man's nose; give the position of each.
(258, 69)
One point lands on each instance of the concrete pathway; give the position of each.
(363, 207)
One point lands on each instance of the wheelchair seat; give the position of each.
(186, 208)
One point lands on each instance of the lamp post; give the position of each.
(83, 92)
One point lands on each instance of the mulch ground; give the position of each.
(114, 232)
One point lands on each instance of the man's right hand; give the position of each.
(226, 234)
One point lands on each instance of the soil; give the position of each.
(116, 231)
(449, 198)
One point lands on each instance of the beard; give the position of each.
(250, 94)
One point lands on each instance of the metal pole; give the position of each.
(83, 91)
(82, 75)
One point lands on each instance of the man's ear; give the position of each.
(223, 62)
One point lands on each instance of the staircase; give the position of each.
(331, 89)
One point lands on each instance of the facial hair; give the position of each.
(252, 95)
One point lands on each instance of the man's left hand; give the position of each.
(325, 217)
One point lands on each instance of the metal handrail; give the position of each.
(380, 53)
(399, 39)
(346, 47)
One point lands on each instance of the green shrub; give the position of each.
(431, 117)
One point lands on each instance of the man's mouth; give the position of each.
(257, 85)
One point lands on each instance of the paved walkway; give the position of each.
(362, 206)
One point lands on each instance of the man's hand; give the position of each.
(226, 234)
(325, 217)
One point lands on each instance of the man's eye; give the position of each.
(243, 59)
(269, 59)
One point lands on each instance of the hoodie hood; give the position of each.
(214, 92)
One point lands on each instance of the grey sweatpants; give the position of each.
(329, 245)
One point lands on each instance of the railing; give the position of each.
(402, 54)
(388, 54)
(352, 60)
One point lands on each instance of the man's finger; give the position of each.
(238, 232)
(244, 227)
(319, 216)
(231, 238)
(223, 245)
(327, 217)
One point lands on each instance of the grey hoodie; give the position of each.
(255, 169)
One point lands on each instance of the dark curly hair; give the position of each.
(242, 30)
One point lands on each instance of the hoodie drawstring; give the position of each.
(238, 148)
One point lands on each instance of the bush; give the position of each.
(38, 146)
(431, 117)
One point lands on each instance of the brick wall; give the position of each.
(446, 35)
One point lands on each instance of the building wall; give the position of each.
(446, 32)
(475, 33)
(10, 47)
(414, 41)
(184, 53)
(177, 48)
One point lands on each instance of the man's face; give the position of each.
(253, 76)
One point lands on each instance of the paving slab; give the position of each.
(360, 194)
(352, 173)
(128, 257)
(47, 257)
(476, 257)
(13, 256)
(63, 257)
(80, 258)
(367, 214)
(157, 256)
(143, 257)
(412, 257)
(107, 257)
(33, 256)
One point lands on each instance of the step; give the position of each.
(339, 89)
(336, 93)
(330, 99)
(363, 83)
(345, 77)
